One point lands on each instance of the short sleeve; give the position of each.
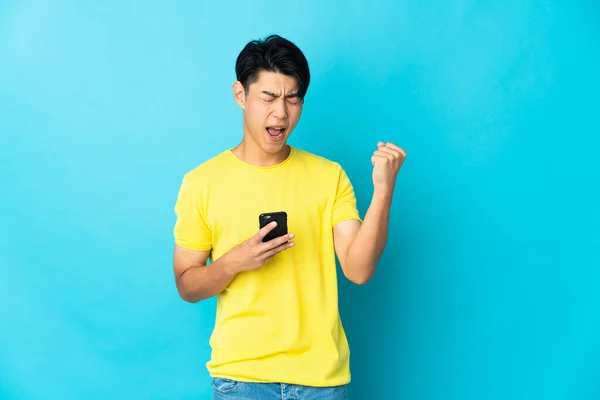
(191, 230)
(344, 206)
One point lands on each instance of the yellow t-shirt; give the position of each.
(279, 323)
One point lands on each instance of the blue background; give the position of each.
(489, 286)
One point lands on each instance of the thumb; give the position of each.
(380, 144)
(264, 231)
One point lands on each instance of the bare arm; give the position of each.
(360, 246)
(196, 281)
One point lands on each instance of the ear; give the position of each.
(239, 94)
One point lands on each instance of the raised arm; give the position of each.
(359, 246)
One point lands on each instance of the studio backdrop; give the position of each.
(489, 286)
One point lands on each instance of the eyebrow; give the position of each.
(292, 95)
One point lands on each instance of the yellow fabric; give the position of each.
(279, 323)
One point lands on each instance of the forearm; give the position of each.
(368, 245)
(204, 281)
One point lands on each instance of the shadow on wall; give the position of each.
(382, 318)
(376, 315)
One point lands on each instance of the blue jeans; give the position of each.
(226, 389)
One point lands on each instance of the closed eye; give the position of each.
(293, 99)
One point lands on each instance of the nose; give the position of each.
(280, 109)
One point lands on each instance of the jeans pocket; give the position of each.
(225, 386)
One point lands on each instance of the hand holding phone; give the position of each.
(256, 252)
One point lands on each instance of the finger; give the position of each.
(381, 153)
(380, 144)
(380, 157)
(377, 159)
(276, 242)
(271, 253)
(389, 150)
(265, 231)
(393, 146)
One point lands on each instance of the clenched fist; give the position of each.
(387, 160)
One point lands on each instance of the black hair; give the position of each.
(273, 54)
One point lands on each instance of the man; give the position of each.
(277, 332)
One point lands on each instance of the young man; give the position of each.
(278, 332)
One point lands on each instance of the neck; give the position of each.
(250, 152)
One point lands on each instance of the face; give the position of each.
(272, 109)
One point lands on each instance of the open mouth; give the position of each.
(276, 133)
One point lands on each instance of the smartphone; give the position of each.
(281, 229)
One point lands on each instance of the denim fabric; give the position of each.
(227, 389)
